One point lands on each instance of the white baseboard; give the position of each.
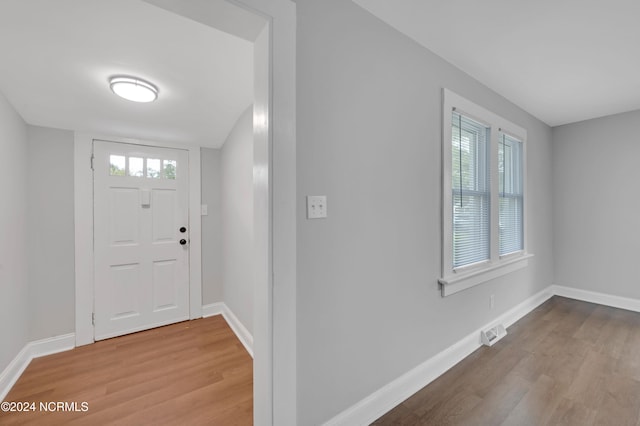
(213, 309)
(220, 308)
(599, 298)
(378, 403)
(14, 370)
(32, 350)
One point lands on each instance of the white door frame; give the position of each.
(274, 317)
(84, 256)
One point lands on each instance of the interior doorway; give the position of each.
(262, 173)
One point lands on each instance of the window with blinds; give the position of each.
(510, 195)
(484, 195)
(470, 190)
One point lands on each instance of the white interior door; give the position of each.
(141, 237)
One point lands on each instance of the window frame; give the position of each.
(512, 195)
(460, 278)
(487, 182)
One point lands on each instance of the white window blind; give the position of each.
(484, 185)
(470, 186)
(510, 195)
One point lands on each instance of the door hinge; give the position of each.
(92, 157)
(93, 318)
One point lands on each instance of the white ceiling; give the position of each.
(562, 61)
(56, 58)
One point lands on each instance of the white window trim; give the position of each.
(454, 280)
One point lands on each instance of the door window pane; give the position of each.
(169, 169)
(116, 165)
(136, 167)
(153, 168)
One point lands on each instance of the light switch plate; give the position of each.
(316, 206)
(204, 210)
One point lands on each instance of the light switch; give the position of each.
(204, 210)
(316, 206)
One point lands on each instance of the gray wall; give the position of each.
(369, 137)
(237, 219)
(51, 233)
(14, 304)
(212, 288)
(596, 205)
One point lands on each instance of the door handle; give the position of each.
(183, 242)
(183, 229)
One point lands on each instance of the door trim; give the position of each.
(83, 211)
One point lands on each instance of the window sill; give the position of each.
(457, 282)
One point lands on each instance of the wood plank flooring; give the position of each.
(566, 363)
(190, 373)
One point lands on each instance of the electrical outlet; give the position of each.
(492, 301)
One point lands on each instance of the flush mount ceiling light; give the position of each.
(133, 89)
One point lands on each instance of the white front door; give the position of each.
(141, 237)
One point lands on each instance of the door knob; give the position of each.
(183, 229)
(183, 242)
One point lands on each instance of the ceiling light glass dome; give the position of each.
(134, 89)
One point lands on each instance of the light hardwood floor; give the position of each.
(566, 363)
(190, 373)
